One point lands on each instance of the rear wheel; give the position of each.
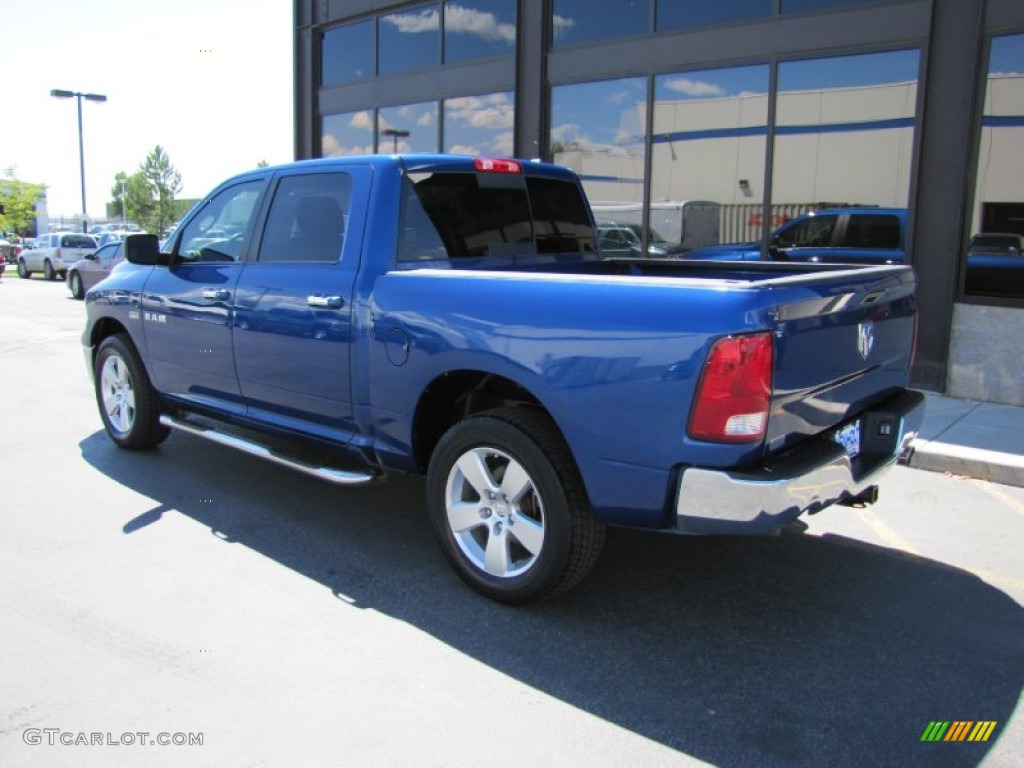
(75, 285)
(23, 270)
(127, 401)
(48, 271)
(508, 506)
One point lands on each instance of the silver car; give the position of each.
(85, 273)
(53, 254)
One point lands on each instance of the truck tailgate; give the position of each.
(840, 352)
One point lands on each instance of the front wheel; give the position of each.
(75, 285)
(127, 401)
(508, 506)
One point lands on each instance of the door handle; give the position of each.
(325, 302)
(218, 294)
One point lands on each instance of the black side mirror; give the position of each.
(144, 250)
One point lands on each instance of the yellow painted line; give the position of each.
(993, 489)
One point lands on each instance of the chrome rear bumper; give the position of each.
(807, 478)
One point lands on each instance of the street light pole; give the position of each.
(395, 134)
(59, 94)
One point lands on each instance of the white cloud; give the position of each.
(484, 25)
(413, 23)
(425, 119)
(688, 87)
(331, 147)
(463, 149)
(494, 111)
(362, 120)
(562, 24)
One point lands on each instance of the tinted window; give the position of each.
(812, 232)
(409, 128)
(581, 21)
(673, 14)
(347, 134)
(409, 40)
(480, 125)
(794, 6)
(307, 218)
(872, 231)
(346, 53)
(460, 215)
(217, 230)
(77, 241)
(477, 29)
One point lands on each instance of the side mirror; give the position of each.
(90, 257)
(144, 250)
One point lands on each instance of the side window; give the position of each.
(307, 219)
(872, 231)
(217, 231)
(812, 232)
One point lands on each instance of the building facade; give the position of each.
(765, 107)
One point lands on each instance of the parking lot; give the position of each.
(194, 590)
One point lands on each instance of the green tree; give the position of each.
(115, 208)
(150, 191)
(18, 200)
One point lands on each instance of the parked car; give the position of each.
(828, 236)
(54, 254)
(8, 251)
(85, 273)
(995, 265)
(451, 317)
(615, 239)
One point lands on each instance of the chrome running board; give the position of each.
(330, 474)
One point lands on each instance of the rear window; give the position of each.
(77, 241)
(467, 215)
(873, 231)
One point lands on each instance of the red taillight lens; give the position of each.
(492, 165)
(734, 393)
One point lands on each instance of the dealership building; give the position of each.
(766, 108)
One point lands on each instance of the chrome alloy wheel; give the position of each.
(495, 512)
(118, 394)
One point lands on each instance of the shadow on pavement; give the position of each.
(778, 651)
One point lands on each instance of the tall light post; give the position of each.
(395, 134)
(59, 94)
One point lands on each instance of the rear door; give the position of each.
(187, 308)
(293, 326)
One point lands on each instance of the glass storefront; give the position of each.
(995, 247)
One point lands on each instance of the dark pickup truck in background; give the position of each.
(452, 317)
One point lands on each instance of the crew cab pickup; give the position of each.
(452, 317)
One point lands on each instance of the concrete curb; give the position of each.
(964, 437)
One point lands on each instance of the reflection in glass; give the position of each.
(582, 21)
(409, 40)
(346, 53)
(597, 129)
(346, 134)
(478, 29)
(845, 131)
(480, 125)
(795, 6)
(995, 261)
(678, 14)
(415, 124)
(708, 144)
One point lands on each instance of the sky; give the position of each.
(210, 81)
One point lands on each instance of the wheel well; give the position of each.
(104, 328)
(453, 397)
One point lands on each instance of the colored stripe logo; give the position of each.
(959, 730)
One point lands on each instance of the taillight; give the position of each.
(734, 392)
(492, 165)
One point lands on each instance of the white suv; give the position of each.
(54, 253)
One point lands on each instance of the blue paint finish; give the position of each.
(612, 350)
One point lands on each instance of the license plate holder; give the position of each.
(849, 437)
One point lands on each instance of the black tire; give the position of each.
(128, 404)
(75, 285)
(23, 272)
(48, 271)
(553, 501)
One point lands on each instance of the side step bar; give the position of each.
(330, 474)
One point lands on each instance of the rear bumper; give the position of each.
(807, 478)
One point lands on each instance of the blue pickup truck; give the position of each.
(452, 317)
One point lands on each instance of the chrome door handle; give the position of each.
(325, 302)
(219, 294)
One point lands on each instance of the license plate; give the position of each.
(849, 438)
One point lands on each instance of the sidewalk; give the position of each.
(964, 437)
